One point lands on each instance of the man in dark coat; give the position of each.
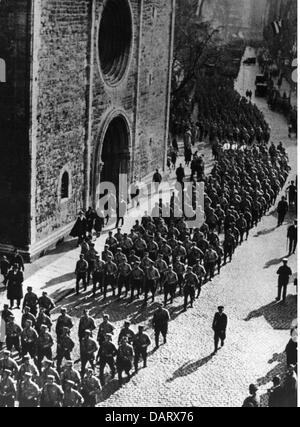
(15, 281)
(180, 174)
(276, 394)
(80, 228)
(17, 259)
(219, 327)
(161, 320)
(292, 236)
(282, 210)
(284, 273)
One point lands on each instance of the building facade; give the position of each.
(86, 96)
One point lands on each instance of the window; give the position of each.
(2, 71)
(64, 192)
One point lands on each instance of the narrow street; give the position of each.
(184, 372)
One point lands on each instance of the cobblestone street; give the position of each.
(184, 372)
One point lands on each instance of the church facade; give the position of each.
(85, 97)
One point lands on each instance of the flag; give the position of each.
(276, 27)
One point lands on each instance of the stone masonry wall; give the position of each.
(14, 101)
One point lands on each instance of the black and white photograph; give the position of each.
(148, 206)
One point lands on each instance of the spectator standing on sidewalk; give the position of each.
(284, 272)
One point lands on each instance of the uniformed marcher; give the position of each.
(65, 346)
(72, 397)
(52, 394)
(70, 373)
(43, 319)
(44, 345)
(98, 275)
(124, 271)
(160, 323)
(88, 350)
(210, 261)
(29, 393)
(105, 328)
(200, 272)
(28, 316)
(124, 359)
(127, 333)
(29, 339)
(110, 276)
(7, 362)
(64, 320)
(81, 272)
(137, 277)
(31, 300)
(106, 356)
(141, 344)
(86, 322)
(219, 326)
(190, 285)
(13, 334)
(46, 303)
(170, 285)
(152, 278)
(90, 389)
(284, 273)
(8, 390)
(47, 370)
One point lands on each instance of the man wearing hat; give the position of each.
(27, 366)
(29, 392)
(90, 389)
(124, 359)
(7, 362)
(292, 236)
(52, 394)
(124, 271)
(88, 349)
(65, 346)
(98, 275)
(126, 332)
(137, 277)
(86, 322)
(70, 374)
(106, 254)
(13, 334)
(170, 284)
(28, 316)
(31, 300)
(126, 245)
(105, 328)
(152, 278)
(81, 272)
(162, 268)
(110, 276)
(282, 210)
(119, 257)
(276, 394)
(8, 390)
(43, 319)
(44, 345)
(219, 326)
(5, 314)
(190, 285)
(141, 344)
(29, 339)
(46, 303)
(160, 323)
(106, 356)
(80, 228)
(47, 370)
(253, 400)
(72, 397)
(284, 272)
(64, 320)
(15, 279)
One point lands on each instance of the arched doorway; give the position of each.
(114, 153)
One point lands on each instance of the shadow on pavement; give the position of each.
(190, 367)
(265, 232)
(279, 315)
(61, 279)
(272, 262)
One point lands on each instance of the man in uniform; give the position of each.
(284, 272)
(29, 339)
(29, 393)
(90, 388)
(70, 373)
(170, 284)
(8, 390)
(110, 276)
(28, 316)
(81, 272)
(127, 333)
(292, 236)
(31, 300)
(52, 394)
(46, 303)
(152, 277)
(43, 319)
(201, 273)
(152, 248)
(137, 277)
(105, 328)
(160, 323)
(86, 322)
(162, 268)
(88, 349)
(27, 366)
(219, 327)
(65, 346)
(72, 397)
(47, 370)
(44, 343)
(179, 269)
(124, 271)
(106, 356)
(282, 210)
(98, 275)
(141, 344)
(124, 359)
(64, 320)
(210, 261)
(7, 362)
(228, 245)
(190, 283)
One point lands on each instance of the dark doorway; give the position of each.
(115, 152)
